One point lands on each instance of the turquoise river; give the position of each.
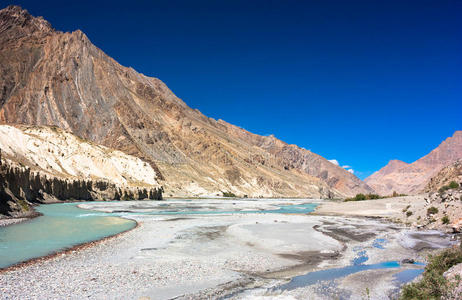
(64, 225)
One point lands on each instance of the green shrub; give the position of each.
(443, 189)
(432, 210)
(406, 208)
(395, 194)
(361, 197)
(229, 194)
(409, 213)
(445, 220)
(453, 185)
(433, 285)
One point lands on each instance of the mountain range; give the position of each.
(54, 78)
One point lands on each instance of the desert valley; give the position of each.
(112, 187)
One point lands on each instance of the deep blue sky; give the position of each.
(362, 82)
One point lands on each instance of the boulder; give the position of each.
(408, 261)
(457, 226)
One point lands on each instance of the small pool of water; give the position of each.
(408, 275)
(334, 273)
(379, 243)
(360, 258)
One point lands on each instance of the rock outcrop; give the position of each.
(20, 188)
(453, 276)
(412, 178)
(56, 152)
(49, 77)
(42, 164)
(445, 176)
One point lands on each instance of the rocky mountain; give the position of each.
(450, 173)
(40, 164)
(412, 178)
(49, 77)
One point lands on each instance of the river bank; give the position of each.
(387, 208)
(426, 211)
(6, 222)
(240, 255)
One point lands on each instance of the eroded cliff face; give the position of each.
(412, 178)
(56, 152)
(43, 164)
(20, 188)
(53, 78)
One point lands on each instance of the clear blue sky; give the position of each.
(362, 82)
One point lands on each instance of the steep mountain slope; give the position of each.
(53, 78)
(411, 178)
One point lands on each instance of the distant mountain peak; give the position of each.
(16, 22)
(411, 178)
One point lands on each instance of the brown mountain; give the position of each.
(412, 178)
(446, 175)
(49, 77)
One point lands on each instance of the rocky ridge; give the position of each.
(49, 77)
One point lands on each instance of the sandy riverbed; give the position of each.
(388, 208)
(210, 256)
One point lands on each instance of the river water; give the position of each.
(64, 225)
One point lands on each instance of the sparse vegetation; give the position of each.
(432, 210)
(361, 197)
(453, 185)
(406, 208)
(433, 285)
(409, 213)
(229, 194)
(395, 194)
(450, 186)
(445, 220)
